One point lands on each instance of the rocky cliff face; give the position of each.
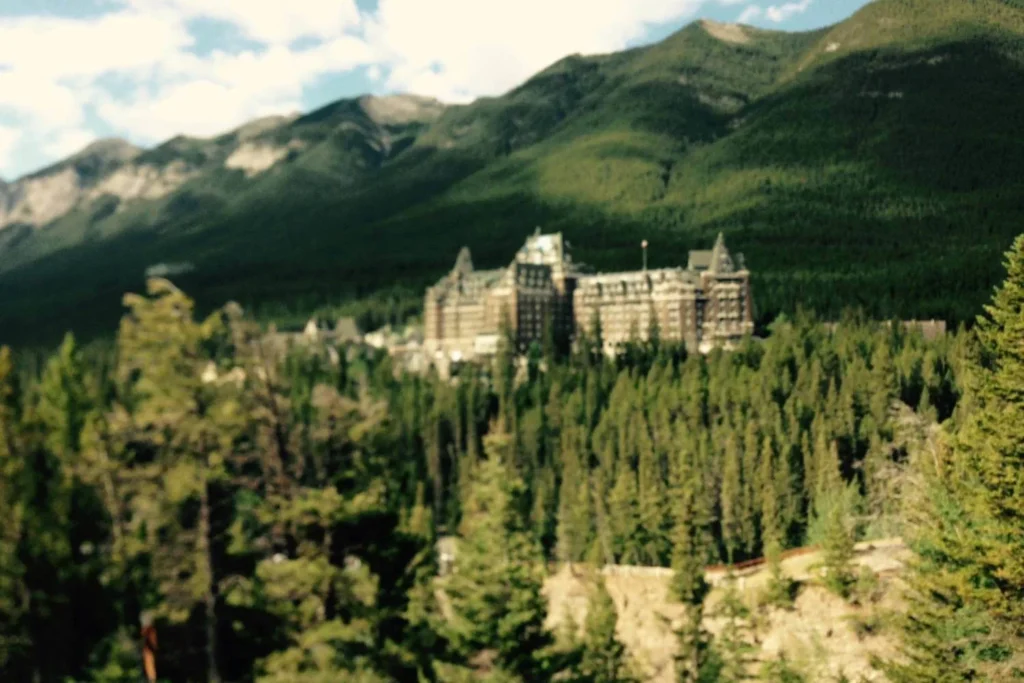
(50, 193)
(116, 168)
(5, 195)
(40, 199)
(401, 110)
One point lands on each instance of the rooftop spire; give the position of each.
(721, 260)
(464, 262)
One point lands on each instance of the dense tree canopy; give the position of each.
(276, 512)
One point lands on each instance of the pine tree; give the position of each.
(495, 593)
(328, 610)
(834, 509)
(544, 507)
(604, 659)
(731, 499)
(826, 466)
(622, 511)
(773, 539)
(574, 509)
(179, 416)
(54, 516)
(602, 549)
(688, 584)
(732, 643)
(884, 382)
(653, 513)
(597, 334)
(418, 520)
(433, 447)
(653, 330)
(64, 401)
(966, 615)
(750, 502)
(505, 372)
(14, 641)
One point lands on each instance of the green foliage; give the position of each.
(574, 512)
(834, 514)
(866, 588)
(780, 671)
(277, 508)
(733, 642)
(775, 487)
(495, 592)
(117, 660)
(604, 659)
(688, 584)
(13, 640)
(870, 624)
(780, 590)
(966, 598)
(236, 494)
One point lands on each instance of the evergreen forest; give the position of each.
(276, 515)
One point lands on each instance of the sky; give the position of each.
(73, 71)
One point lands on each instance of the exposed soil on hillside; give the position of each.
(730, 33)
(822, 636)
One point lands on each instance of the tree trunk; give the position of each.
(210, 599)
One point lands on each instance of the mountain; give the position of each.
(874, 163)
(50, 193)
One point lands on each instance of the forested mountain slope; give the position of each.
(875, 163)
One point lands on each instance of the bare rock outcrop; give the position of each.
(729, 33)
(37, 200)
(255, 157)
(116, 168)
(400, 110)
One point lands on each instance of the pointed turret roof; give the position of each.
(721, 260)
(464, 262)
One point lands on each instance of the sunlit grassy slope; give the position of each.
(877, 163)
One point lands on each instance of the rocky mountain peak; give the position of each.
(729, 33)
(109, 149)
(259, 126)
(397, 110)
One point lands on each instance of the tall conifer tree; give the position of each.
(966, 617)
(688, 585)
(604, 657)
(495, 593)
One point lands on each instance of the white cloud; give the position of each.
(134, 68)
(780, 13)
(459, 49)
(775, 13)
(268, 21)
(749, 14)
(53, 48)
(207, 96)
(37, 101)
(8, 139)
(49, 68)
(67, 142)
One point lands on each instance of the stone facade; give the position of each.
(705, 304)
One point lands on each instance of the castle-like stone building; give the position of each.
(703, 305)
